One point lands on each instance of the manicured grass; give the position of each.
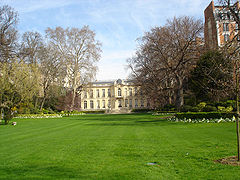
(115, 147)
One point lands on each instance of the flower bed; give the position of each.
(203, 120)
(38, 116)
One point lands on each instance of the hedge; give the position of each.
(83, 112)
(206, 115)
(141, 110)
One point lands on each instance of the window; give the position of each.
(119, 103)
(91, 104)
(109, 93)
(238, 37)
(136, 103)
(130, 103)
(226, 37)
(98, 104)
(85, 94)
(109, 103)
(91, 93)
(142, 103)
(98, 94)
(85, 104)
(126, 102)
(103, 103)
(103, 92)
(225, 27)
(130, 91)
(148, 103)
(125, 91)
(135, 91)
(119, 92)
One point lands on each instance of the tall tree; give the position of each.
(52, 72)
(211, 79)
(19, 82)
(166, 56)
(79, 51)
(8, 33)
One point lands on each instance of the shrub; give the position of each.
(195, 109)
(169, 107)
(186, 108)
(209, 108)
(201, 105)
(225, 109)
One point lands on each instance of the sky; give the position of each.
(117, 23)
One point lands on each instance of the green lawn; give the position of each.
(115, 147)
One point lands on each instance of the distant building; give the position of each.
(113, 96)
(219, 26)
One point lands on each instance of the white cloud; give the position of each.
(113, 65)
(26, 6)
(116, 55)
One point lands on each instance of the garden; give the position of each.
(126, 146)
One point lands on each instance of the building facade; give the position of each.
(113, 96)
(219, 26)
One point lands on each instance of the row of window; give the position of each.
(128, 92)
(226, 27)
(127, 103)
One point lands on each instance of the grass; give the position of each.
(115, 147)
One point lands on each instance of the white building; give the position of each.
(113, 96)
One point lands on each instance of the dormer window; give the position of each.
(119, 81)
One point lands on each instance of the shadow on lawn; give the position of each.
(39, 172)
(153, 122)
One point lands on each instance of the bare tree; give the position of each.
(166, 55)
(79, 51)
(31, 47)
(8, 33)
(52, 71)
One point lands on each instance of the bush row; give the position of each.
(141, 110)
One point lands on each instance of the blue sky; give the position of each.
(117, 23)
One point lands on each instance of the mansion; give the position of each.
(113, 96)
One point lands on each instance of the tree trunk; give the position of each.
(42, 103)
(36, 102)
(179, 94)
(73, 98)
(44, 97)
